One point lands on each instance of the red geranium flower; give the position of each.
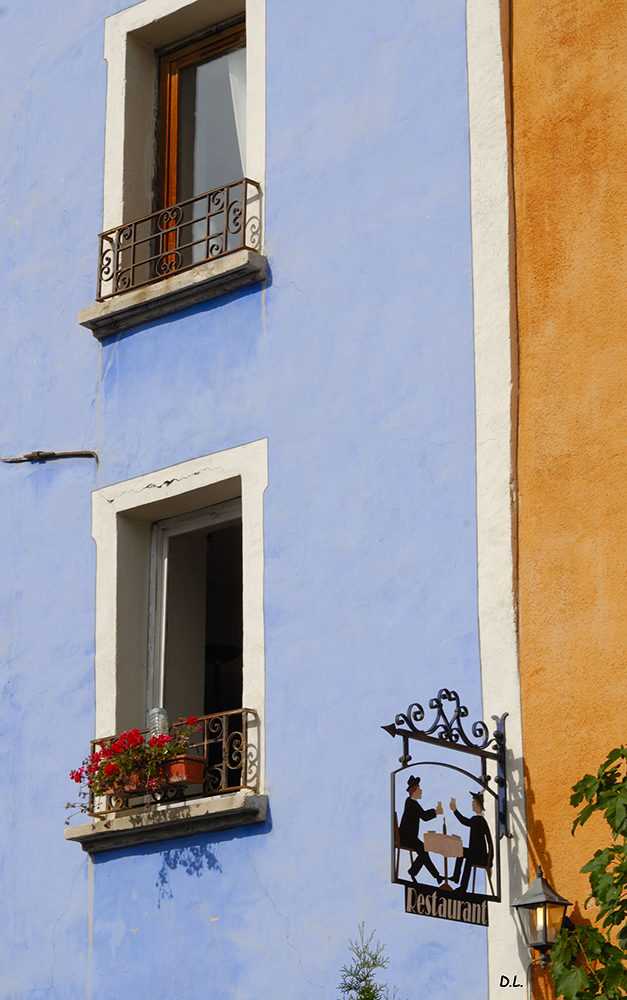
(131, 755)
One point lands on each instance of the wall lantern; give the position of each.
(541, 911)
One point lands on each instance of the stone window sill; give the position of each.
(180, 291)
(166, 822)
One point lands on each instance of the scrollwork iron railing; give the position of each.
(179, 237)
(228, 744)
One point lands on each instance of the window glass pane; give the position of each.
(185, 626)
(212, 124)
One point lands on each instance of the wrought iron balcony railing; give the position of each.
(182, 236)
(226, 752)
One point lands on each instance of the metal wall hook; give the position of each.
(45, 456)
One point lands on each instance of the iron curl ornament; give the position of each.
(447, 725)
(106, 263)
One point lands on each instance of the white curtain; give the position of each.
(237, 76)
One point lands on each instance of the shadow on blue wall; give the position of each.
(193, 855)
(211, 305)
(192, 860)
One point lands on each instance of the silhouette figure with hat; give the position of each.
(410, 827)
(480, 850)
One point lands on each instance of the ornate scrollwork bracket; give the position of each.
(447, 730)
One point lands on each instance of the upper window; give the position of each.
(202, 112)
(183, 172)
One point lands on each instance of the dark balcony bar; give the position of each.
(180, 237)
(228, 743)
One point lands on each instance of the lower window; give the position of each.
(179, 627)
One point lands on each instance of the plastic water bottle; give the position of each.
(158, 722)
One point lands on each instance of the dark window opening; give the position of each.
(223, 647)
(203, 645)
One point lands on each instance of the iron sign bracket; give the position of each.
(447, 731)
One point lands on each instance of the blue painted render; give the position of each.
(356, 362)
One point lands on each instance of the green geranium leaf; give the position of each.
(569, 983)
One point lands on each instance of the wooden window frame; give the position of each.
(170, 64)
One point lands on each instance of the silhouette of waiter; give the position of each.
(480, 850)
(410, 826)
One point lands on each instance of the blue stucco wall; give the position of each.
(356, 363)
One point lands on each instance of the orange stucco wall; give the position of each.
(569, 99)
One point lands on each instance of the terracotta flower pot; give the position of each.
(174, 772)
(184, 770)
(134, 784)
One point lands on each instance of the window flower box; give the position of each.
(175, 774)
(136, 763)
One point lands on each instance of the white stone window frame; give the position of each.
(133, 38)
(123, 516)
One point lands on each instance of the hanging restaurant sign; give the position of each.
(449, 820)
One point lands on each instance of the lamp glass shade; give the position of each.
(545, 922)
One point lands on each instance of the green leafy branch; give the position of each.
(585, 963)
(358, 978)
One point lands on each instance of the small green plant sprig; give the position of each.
(585, 963)
(358, 978)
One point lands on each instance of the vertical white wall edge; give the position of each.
(490, 215)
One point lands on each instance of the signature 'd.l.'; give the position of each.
(505, 981)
